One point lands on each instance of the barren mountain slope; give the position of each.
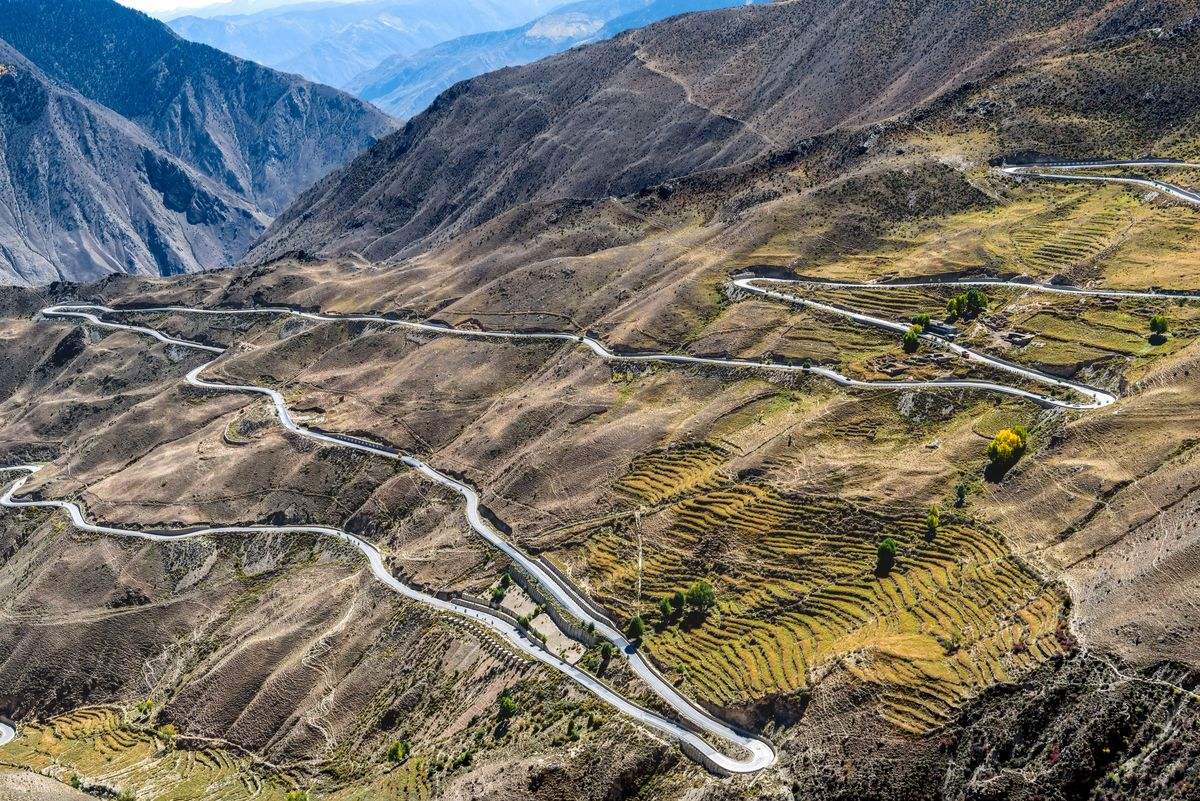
(86, 193)
(692, 93)
(263, 134)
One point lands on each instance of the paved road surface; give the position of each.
(1062, 170)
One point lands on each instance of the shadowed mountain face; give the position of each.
(692, 93)
(334, 42)
(404, 85)
(84, 193)
(264, 135)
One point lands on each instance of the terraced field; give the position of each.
(1072, 234)
(97, 750)
(668, 473)
(798, 595)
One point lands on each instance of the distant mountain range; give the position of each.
(404, 85)
(334, 42)
(130, 149)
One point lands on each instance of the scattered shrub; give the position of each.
(960, 494)
(297, 795)
(1160, 325)
(665, 609)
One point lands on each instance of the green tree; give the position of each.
(885, 556)
(636, 628)
(701, 597)
(976, 301)
(498, 594)
(297, 795)
(665, 609)
(956, 306)
(397, 752)
(932, 521)
(911, 339)
(678, 600)
(507, 705)
(607, 649)
(923, 319)
(960, 494)
(1160, 325)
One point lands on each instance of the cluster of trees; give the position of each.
(699, 598)
(966, 304)
(1008, 445)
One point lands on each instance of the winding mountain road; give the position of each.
(7, 733)
(759, 753)
(752, 753)
(1096, 398)
(1062, 170)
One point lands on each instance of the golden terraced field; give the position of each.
(797, 592)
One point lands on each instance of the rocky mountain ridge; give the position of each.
(256, 136)
(85, 193)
